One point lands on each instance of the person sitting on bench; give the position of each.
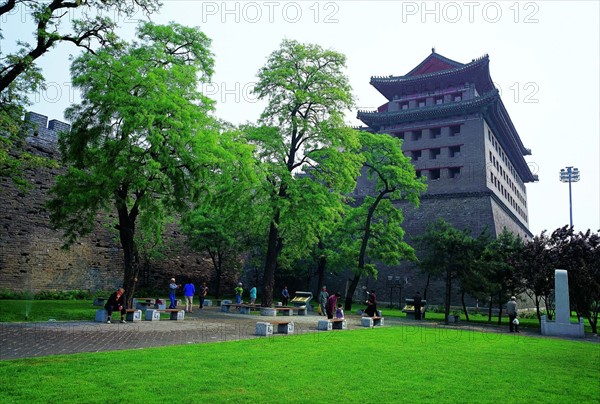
(371, 309)
(116, 302)
(339, 313)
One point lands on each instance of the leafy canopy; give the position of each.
(19, 75)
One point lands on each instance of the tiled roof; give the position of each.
(476, 71)
(379, 119)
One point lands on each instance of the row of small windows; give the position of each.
(436, 100)
(434, 153)
(506, 178)
(507, 195)
(505, 159)
(431, 133)
(436, 173)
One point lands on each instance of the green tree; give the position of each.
(372, 230)
(472, 277)
(447, 252)
(225, 219)
(47, 18)
(302, 144)
(19, 75)
(142, 138)
(535, 268)
(502, 277)
(579, 254)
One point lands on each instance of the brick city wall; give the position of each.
(31, 257)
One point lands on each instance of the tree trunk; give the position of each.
(271, 263)
(351, 290)
(217, 262)
(537, 308)
(321, 265)
(500, 308)
(363, 250)
(490, 310)
(130, 258)
(219, 277)
(126, 228)
(426, 287)
(462, 298)
(548, 309)
(447, 297)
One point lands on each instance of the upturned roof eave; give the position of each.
(392, 85)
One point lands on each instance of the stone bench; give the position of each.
(286, 311)
(163, 305)
(301, 311)
(100, 301)
(133, 315)
(332, 324)
(268, 328)
(176, 314)
(152, 315)
(142, 303)
(243, 308)
(130, 315)
(371, 321)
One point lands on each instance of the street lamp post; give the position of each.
(569, 174)
(394, 282)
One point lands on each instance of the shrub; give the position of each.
(63, 295)
(7, 294)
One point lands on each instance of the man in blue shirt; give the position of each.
(188, 292)
(285, 296)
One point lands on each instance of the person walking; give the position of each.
(417, 303)
(511, 310)
(188, 292)
(323, 296)
(285, 296)
(203, 292)
(238, 293)
(116, 302)
(172, 289)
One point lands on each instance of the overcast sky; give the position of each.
(544, 58)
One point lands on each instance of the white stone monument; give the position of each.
(562, 325)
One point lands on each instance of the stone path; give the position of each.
(22, 340)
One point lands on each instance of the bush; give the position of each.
(63, 295)
(6, 294)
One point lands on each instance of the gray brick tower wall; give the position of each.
(462, 141)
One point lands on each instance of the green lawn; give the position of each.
(44, 310)
(390, 364)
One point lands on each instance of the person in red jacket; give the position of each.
(331, 305)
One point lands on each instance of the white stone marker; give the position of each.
(562, 325)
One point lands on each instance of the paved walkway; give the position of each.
(22, 340)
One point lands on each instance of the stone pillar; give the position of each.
(561, 296)
(562, 325)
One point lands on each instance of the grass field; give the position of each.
(384, 365)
